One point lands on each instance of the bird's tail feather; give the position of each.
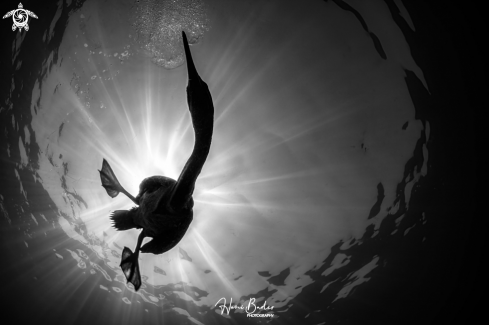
(123, 219)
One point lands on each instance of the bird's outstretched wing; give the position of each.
(8, 14)
(202, 113)
(30, 13)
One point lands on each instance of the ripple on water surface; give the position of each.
(158, 25)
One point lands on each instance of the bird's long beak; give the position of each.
(192, 72)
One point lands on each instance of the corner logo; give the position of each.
(20, 17)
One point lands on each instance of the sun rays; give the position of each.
(293, 168)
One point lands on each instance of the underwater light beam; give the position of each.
(165, 205)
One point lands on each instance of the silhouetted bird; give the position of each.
(165, 205)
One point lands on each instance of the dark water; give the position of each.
(340, 184)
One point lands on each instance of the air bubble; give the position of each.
(159, 24)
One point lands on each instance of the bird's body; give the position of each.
(162, 221)
(165, 205)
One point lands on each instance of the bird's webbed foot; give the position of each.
(130, 268)
(111, 183)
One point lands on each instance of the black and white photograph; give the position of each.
(282, 162)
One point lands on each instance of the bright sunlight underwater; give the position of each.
(316, 154)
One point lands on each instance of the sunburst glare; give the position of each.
(313, 128)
